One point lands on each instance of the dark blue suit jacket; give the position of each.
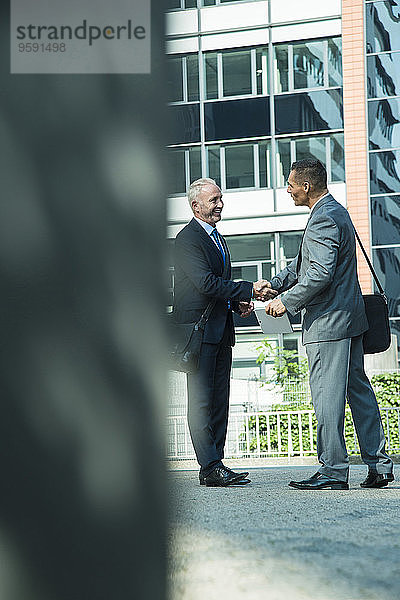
(199, 267)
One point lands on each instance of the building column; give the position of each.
(355, 128)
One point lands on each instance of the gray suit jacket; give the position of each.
(322, 279)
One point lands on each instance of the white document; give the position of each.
(270, 324)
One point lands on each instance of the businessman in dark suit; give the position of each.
(200, 256)
(322, 283)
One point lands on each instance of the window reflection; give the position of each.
(258, 246)
(281, 68)
(382, 26)
(383, 77)
(311, 111)
(385, 213)
(384, 123)
(308, 65)
(385, 172)
(234, 119)
(239, 166)
(213, 163)
(175, 79)
(236, 69)
(387, 265)
(186, 120)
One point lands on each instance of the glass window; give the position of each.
(385, 172)
(311, 111)
(283, 162)
(382, 26)
(213, 163)
(387, 266)
(250, 247)
(268, 271)
(337, 157)
(335, 61)
(383, 77)
(173, 4)
(177, 172)
(245, 273)
(239, 166)
(262, 70)
(289, 244)
(235, 119)
(308, 65)
(384, 123)
(281, 68)
(190, 3)
(385, 220)
(185, 123)
(236, 67)
(211, 75)
(311, 148)
(192, 68)
(194, 164)
(264, 160)
(175, 79)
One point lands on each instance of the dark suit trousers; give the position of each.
(208, 403)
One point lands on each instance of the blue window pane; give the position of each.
(312, 111)
(176, 171)
(235, 119)
(335, 61)
(308, 65)
(382, 26)
(213, 163)
(186, 123)
(385, 220)
(239, 166)
(387, 266)
(337, 157)
(383, 75)
(384, 123)
(385, 172)
(283, 162)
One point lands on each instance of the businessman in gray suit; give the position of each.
(322, 283)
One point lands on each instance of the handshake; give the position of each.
(261, 291)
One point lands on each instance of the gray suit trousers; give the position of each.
(337, 371)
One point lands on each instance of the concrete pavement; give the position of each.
(269, 541)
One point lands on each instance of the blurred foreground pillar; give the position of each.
(81, 254)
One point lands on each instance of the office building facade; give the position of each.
(255, 85)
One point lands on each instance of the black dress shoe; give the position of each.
(222, 477)
(319, 481)
(242, 481)
(377, 480)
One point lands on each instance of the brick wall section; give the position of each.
(355, 130)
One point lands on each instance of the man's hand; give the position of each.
(246, 308)
(263, 291)
(276, 308)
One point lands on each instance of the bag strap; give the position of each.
(371, 268)
(206, 314)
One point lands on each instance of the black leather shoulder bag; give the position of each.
(377, 337)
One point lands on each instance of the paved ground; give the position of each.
(269, 541)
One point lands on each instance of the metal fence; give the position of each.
(275, 434)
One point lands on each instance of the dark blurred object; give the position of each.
(81, 254)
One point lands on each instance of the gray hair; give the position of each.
(196, 188)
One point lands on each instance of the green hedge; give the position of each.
(387, 389)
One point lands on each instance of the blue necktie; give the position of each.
(216, 237)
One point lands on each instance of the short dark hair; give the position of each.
(310, 170)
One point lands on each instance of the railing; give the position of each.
(276, 433)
